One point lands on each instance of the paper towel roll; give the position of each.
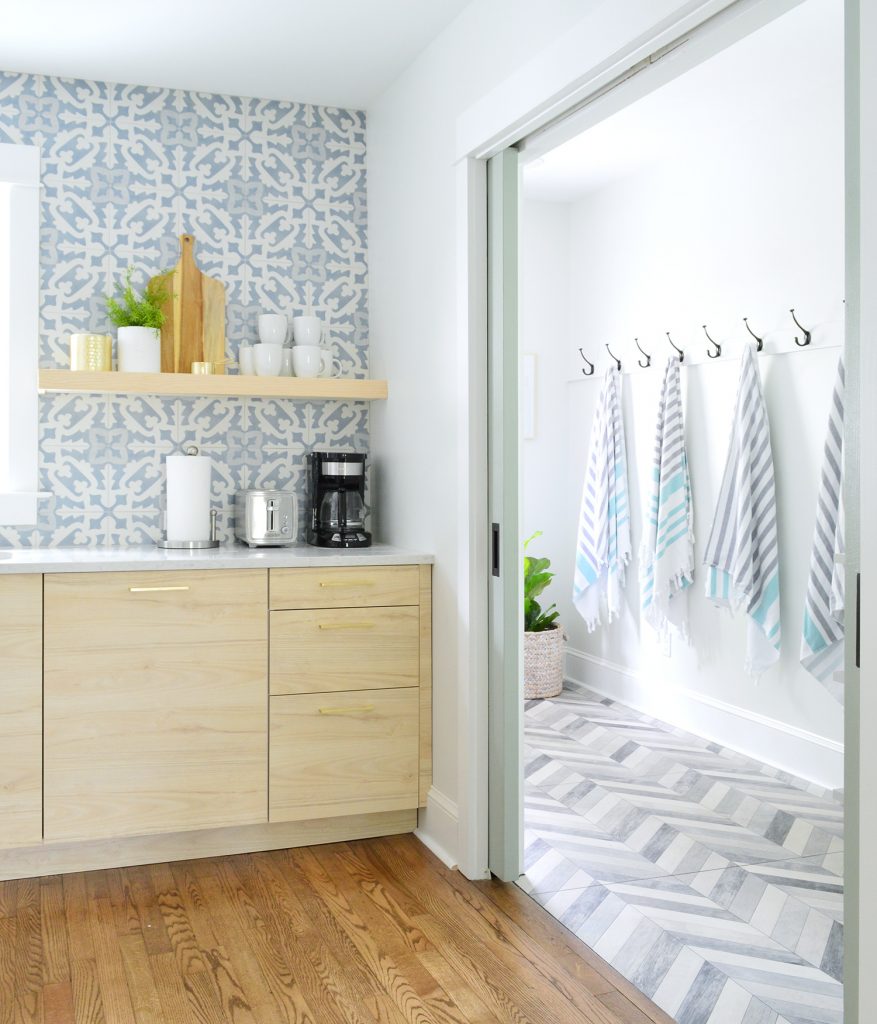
(188, 497)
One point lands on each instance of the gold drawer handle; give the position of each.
(359, 709)
(346, 625)
(153, 590)
(347, 583)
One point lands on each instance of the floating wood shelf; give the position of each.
(209, 385)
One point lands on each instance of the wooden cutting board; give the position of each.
(194, 327)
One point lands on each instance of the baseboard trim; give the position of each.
(437, 826)
(787, 747)
(62, 858)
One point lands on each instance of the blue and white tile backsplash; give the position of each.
(275, 195)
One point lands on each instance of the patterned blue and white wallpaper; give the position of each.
(274, 194)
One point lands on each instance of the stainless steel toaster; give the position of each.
(265, 518)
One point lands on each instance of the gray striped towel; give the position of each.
(667, 552)
(822, 641)
(603, 546)
(742, 554)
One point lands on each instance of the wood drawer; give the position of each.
(344, 753)
(155, 702)
(331, 649)
(343, 587)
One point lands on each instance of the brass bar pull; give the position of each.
(346, 625)
(358, 709)
(153, 590)
(347, 583)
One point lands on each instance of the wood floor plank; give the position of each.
(8, 928)
(108, 962)
(58, 1003)
(56, 952)
(369, 932)
(88, 1007)
(77, 918)
(28, 955)
(144, 996)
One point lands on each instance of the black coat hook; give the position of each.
(807, 335)
(590, 370)
(760, 341)
(617, 360)
(717, 346)
(645, 365)
(678, 349)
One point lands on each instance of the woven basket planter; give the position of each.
(543, 663)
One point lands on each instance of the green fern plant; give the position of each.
(128, 309)
(536, 578)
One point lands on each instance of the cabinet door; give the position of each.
(355, 586)
(155, 702)
(21, 710)
(344, 649)
(343, 753)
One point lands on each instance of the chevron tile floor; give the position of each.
(711, 881)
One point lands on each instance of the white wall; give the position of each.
(412, 256)
(724, 224)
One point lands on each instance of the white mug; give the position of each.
(306, 330)
(273, 328)
(313, 361)
(245, 360)
(267, 359)
(286, 363)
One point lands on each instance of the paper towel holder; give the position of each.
(193, 545)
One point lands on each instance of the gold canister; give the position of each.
(91, 352)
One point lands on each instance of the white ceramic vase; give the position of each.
(139, 349)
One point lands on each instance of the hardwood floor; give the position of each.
(368, 932)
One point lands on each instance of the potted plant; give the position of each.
(543, 635)
(139, 320)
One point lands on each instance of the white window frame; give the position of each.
(19, 333)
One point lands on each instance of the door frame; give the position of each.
(573, 83)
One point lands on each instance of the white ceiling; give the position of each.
(334, 52)
(706, 101)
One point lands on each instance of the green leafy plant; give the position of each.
(536, 579)
(127, 309)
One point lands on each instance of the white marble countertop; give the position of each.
(228, 556)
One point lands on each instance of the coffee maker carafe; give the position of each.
(336, 482)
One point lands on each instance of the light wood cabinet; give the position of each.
(178, 711)
(320, 650)
(21, 713)
(155, 702)
(343, 753)
(372, 586)
(351, 685)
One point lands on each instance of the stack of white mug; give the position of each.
(310, 355)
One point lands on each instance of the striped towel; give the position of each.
(667, 553)
(603, 548)
(742, 554)
(822, 642)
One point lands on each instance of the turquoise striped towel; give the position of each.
(742, 556)
(667, 553)
(603, 546)
(822, 642)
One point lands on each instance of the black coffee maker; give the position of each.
(336, 483)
